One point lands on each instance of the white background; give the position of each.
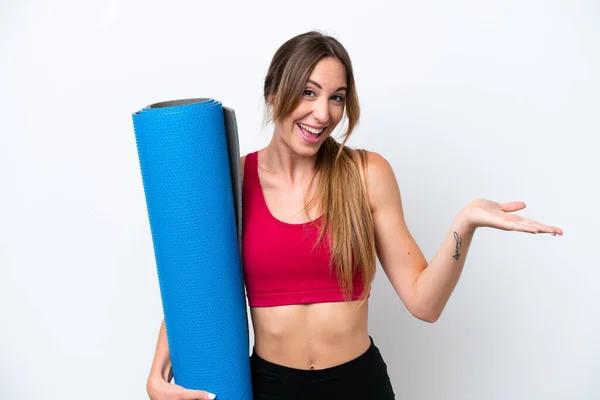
(466, 99)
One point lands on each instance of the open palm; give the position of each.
(487, 213)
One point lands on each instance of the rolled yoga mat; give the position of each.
(189, 159)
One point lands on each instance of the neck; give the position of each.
(282, 160)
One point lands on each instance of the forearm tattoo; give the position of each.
(458, 245)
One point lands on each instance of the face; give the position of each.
(319, 110)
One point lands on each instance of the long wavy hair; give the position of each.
(342, 198)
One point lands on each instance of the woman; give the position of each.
(316, 215)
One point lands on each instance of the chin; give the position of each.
(303, 149)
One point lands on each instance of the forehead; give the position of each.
(330, 73)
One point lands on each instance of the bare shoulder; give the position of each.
(376, 173)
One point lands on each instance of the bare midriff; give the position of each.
(311, 336)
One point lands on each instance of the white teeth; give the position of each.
(311, 130)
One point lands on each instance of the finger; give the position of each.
(521, 227)
(543, 228)
(555, 230)
(512, 206)
(197, 395)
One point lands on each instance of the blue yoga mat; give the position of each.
(189, 159)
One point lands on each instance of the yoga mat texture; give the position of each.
(189, 159)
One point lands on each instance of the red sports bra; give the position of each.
(280, 266)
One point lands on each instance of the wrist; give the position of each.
(463, 222)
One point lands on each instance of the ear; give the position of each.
(271, 99)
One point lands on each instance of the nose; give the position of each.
(321, 109)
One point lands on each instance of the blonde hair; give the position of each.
(342, 198)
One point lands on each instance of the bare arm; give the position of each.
(425, 288)
(435, 284)
(158, 384)
(161, 365)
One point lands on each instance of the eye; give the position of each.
(339, 98)
(308, 91)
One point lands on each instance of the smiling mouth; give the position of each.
(312, 131)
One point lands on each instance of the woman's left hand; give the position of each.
(487, 213)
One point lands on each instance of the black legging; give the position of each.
(364, 377)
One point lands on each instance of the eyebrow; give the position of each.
(319, 86)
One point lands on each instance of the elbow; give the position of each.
(425, 315)
(431, 318)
